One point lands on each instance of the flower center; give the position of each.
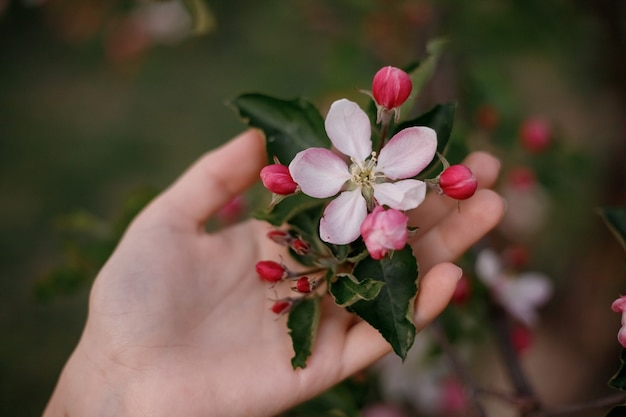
(363, 174)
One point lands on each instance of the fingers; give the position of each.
(364, 344)
(215, 179)
(484, 166)
(458, 230)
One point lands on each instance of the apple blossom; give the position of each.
(384, 230)
(519, 294)
(370, 179)
(619, 306)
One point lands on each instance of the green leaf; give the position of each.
(619, 379)
(290, 126)
(302, 324)
(425, 70)
(347, 290)
(615, 219)
(391, 312)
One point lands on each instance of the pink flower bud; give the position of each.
(458, 181)
(271, 271)
(462, 292)
(391, 87)
(522, 178)
(300, 246)
(277, 179)
(453, 398)
(487, 117)
(384, 230)
(535, 135)
(282, 306)
(232, 211)
(619, 306)
(305, 285)
(281, 237)
(521, 337)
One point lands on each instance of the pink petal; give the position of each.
(319, 172)
(349, 130)
(342, 218)
(401, 195)
(407, 153)
(619, 305)
(621, 336)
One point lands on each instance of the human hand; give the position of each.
(179, 323)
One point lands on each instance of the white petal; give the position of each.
(535, 288)
(407, 153)
(488, 267)
(349, 130)
(342, 218)
(521, 296)
(319, 172)
(401, 195)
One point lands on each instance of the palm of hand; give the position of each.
(179, 323)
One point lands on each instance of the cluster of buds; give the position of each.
(294, 242)
(275, 272)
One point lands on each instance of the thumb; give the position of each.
(215, 179)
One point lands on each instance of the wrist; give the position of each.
(89, 386)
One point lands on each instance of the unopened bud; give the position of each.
(458, 182)
(300, 246)
(271, 271)
(535, 135)
(279, 236)
(462, 292)
(384, 230)
(277, 179)
(391, 87)
(282, 306)
(305, 285)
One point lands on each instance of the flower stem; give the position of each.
(510, 359)
(462, 372)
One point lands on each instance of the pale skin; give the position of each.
(179, 322)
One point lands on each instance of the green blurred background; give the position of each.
(92, 110)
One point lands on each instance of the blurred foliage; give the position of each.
(94, 105)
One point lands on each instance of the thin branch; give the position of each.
(608, 401)
(460, 369)
(510, 359)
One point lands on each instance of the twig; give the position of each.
(607, 401)
(510, 359)
(460, 369)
